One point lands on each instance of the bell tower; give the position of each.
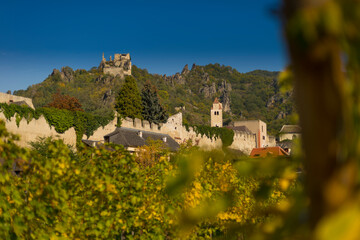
(216, 114)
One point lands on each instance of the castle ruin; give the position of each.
(120, 66)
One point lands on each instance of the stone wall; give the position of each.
(31, 131)
(99, 133)
(244, 142)
(173, 127)
(40, 128)
(8, 98)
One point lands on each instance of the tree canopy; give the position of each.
(67, 102)
(152, 111)
(128, 102)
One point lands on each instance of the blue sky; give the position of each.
(161, 36)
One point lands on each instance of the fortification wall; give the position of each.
(8, 98)
(244, 142)
(40, 128)
(31, 131)
(99, 133)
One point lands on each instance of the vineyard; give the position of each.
(107, 193)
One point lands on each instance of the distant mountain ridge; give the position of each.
(252, 95)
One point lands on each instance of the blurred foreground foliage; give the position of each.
(106, 193)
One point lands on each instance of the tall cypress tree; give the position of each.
(128, 102)
(152, 109)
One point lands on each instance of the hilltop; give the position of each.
(252, 95)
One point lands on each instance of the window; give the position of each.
(263, 137)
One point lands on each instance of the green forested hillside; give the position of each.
(252, 95)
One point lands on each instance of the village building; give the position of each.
(132, 139)
(258, 128)
(289, 132)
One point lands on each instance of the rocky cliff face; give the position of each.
(66, 74)
(209, 88)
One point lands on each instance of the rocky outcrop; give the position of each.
(225, 89)
(225, 100)
(66, 74)
(107, 96)
(174, 79)
(185, 70)
(225, 86)
(105, 79)
(271, 102)
(193, 67)
(281, 115)
(209, 91)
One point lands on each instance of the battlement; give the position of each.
(120, 66)
(141, 125)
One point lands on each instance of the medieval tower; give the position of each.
(216, 114)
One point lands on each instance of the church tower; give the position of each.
(216, 114)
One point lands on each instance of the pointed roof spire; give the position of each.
(216, 100)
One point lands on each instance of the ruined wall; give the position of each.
(36, 128)
(8, 98)
(120, 66)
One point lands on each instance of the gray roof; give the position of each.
(240, 129)
(290, 129)
(20, 103)
(90, 143)
(129, 137)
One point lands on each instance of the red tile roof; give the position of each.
(268, 151)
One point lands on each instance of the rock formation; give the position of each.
(174, 79)
(66, 74)
(185, 70)
(209, 91)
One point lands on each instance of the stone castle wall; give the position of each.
(31, 131)
(244, 142)
(8, 98)
(40, 128)
(173, 127)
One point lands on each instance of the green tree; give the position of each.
(128, 102)
(152, 109)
